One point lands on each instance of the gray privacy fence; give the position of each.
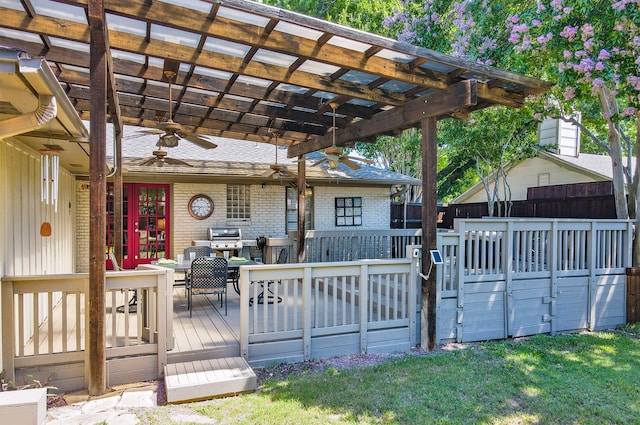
(508, 277)
(514, 277)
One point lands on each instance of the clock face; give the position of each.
(200, 207)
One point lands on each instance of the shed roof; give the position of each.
(244, 69)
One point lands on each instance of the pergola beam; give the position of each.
(458, 97)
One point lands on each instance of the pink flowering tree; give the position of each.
(590, 49)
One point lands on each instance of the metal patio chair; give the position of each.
(208, 276)
(283, 256)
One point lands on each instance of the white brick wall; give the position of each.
(376, 207)
(82, 226)
(268, 213)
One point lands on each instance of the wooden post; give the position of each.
(97, 199)
(302, 205)
(429, 229)
(117, 199)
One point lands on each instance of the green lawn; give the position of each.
(575, 379)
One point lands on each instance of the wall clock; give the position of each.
(200, 207)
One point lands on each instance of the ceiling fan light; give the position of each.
(170, 140)
(333, 164)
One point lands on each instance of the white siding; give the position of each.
(22, 250)
(525, 175)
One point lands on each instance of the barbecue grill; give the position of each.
(222, 239)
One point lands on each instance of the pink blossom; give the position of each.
(541, 7)
(618, 27)
(587, 31)
(545, 38)
(581, 54)
(569, 32)
(628, 111)
(567, 54)
(600, 66)
(521, 28)
(557, 17)
(567, 10)
(619, 5)
(588, 44)
(634, 81)
(514, 37)
(604, 55)
(556, 4)
(537, 116)
(513, 19)
(569, 93)
(606, 115)
(536, 23)
(598, 82)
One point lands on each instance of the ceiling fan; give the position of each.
(335, 155)
(160, 158)
(278, 171)
(170, 131)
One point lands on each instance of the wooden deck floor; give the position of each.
(208, 333)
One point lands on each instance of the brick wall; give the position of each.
(268, 213)
(375, 207)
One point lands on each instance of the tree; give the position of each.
(589, 48)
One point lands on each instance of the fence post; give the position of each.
(364, 307)
(306, 310)
(8, 330)
(633, 294)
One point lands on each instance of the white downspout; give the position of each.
(45, 112)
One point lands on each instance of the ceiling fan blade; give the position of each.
(346, 161)
(199, 141)
(150, 131)
(267, 173)
(149, 161)
(173, 161)
(318, 162)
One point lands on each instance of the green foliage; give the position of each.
(366, 15)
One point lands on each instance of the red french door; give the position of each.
(145, 223)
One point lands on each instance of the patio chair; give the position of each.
(201, 251)
(283, 256)
(208, 276)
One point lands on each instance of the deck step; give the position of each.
(203, 379)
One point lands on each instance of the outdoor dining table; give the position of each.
(232, 265)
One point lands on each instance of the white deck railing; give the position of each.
(315, 310)
(45, 317)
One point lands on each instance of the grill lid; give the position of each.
(226, 233)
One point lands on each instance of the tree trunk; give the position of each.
(610, 108)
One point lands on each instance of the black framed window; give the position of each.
(349, 211)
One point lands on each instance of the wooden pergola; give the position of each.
(244, 70)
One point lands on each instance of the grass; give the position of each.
(591, 378)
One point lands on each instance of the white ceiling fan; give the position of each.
(170, 131)
(278, 171)
(335, 155)
(160, 158)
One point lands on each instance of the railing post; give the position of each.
(306, 311)
(8, 330)
(244, 314)
(162, 284)
(364, 307)
(552, 262)
(414, 305)
(592, 253)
